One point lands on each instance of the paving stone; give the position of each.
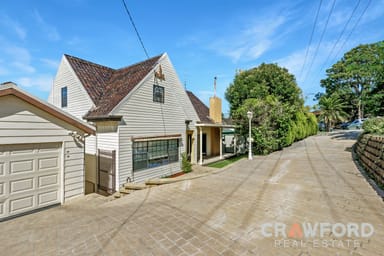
(314, 180)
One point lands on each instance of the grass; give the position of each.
(225, 162)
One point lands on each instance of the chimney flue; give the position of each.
(215, 106)
(214, 86)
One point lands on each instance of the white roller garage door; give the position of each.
(29, 177)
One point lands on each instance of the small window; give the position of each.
(158, 93)
(64, 97)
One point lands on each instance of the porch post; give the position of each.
(201, 146)
(234, 142)
(221, 142)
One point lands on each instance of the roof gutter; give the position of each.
(103, 118)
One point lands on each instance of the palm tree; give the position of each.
(331, 109)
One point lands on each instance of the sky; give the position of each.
(204, 39)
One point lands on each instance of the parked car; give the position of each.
(357, 124)
(322, 126)
(345, 125)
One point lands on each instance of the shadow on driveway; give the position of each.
(346, 135)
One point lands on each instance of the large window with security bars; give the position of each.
(154, 153)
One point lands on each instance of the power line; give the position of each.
(311, 37)
(321, 39)
(353, 28)
(137, 32)
(341, 34)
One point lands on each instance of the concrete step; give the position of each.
(117, 195)
(135, 186)
(125, 191)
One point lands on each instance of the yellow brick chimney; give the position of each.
(215, 107)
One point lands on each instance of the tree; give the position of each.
(273, 96)
(331, 109)
(259, 82)
(356, 76)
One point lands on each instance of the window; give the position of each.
(149, 154)
(158, 93)
(64, 97)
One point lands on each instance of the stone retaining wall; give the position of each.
(370, 152)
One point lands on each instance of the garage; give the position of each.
(41, 153)
(29, 177)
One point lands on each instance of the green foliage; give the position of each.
(358, 80)
(279, 118)
(331, 109)
(374, 126)
(225, 162)
(312, 123)
(186, 166)
(264, 80)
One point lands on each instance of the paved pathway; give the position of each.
(314, 181)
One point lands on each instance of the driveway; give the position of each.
(265, 206)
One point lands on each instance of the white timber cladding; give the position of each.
(145, 118)
(22, 123)
(79, 102)
(110, 141)
(124, 155)
(161, 171)
(90, 145)
(107, 141)
(73, 169)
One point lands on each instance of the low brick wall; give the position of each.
(370, 153)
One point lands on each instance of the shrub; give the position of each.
(311, 124)
(186, 166)
(374, 125)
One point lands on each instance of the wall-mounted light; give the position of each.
(76, 136)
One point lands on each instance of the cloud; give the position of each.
(293, 62)
(20, 58)
(375, 11)
(13, 26)
(41, 82)
(3, 70)
(49, 30)
(74, 41)
(252, 42)
(50, 63)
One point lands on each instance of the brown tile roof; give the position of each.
(107, 86)
(201, 109)
(94, 77)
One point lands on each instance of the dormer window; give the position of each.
(158, 93)
(64, 97)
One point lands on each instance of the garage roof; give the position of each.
(10, 88)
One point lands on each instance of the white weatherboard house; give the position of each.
(41, 153)
(141, 114)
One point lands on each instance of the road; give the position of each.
(265, 206)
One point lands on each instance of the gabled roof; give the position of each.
(93, 77)
(201, 109)
(10, 88)
(106, 86)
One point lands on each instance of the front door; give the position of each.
(189, 145)
(204, 144)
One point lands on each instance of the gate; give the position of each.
(106, 171)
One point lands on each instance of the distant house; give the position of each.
(141, 114)
(208, 130)
(41, 153)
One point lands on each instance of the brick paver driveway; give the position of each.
(232, 212)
